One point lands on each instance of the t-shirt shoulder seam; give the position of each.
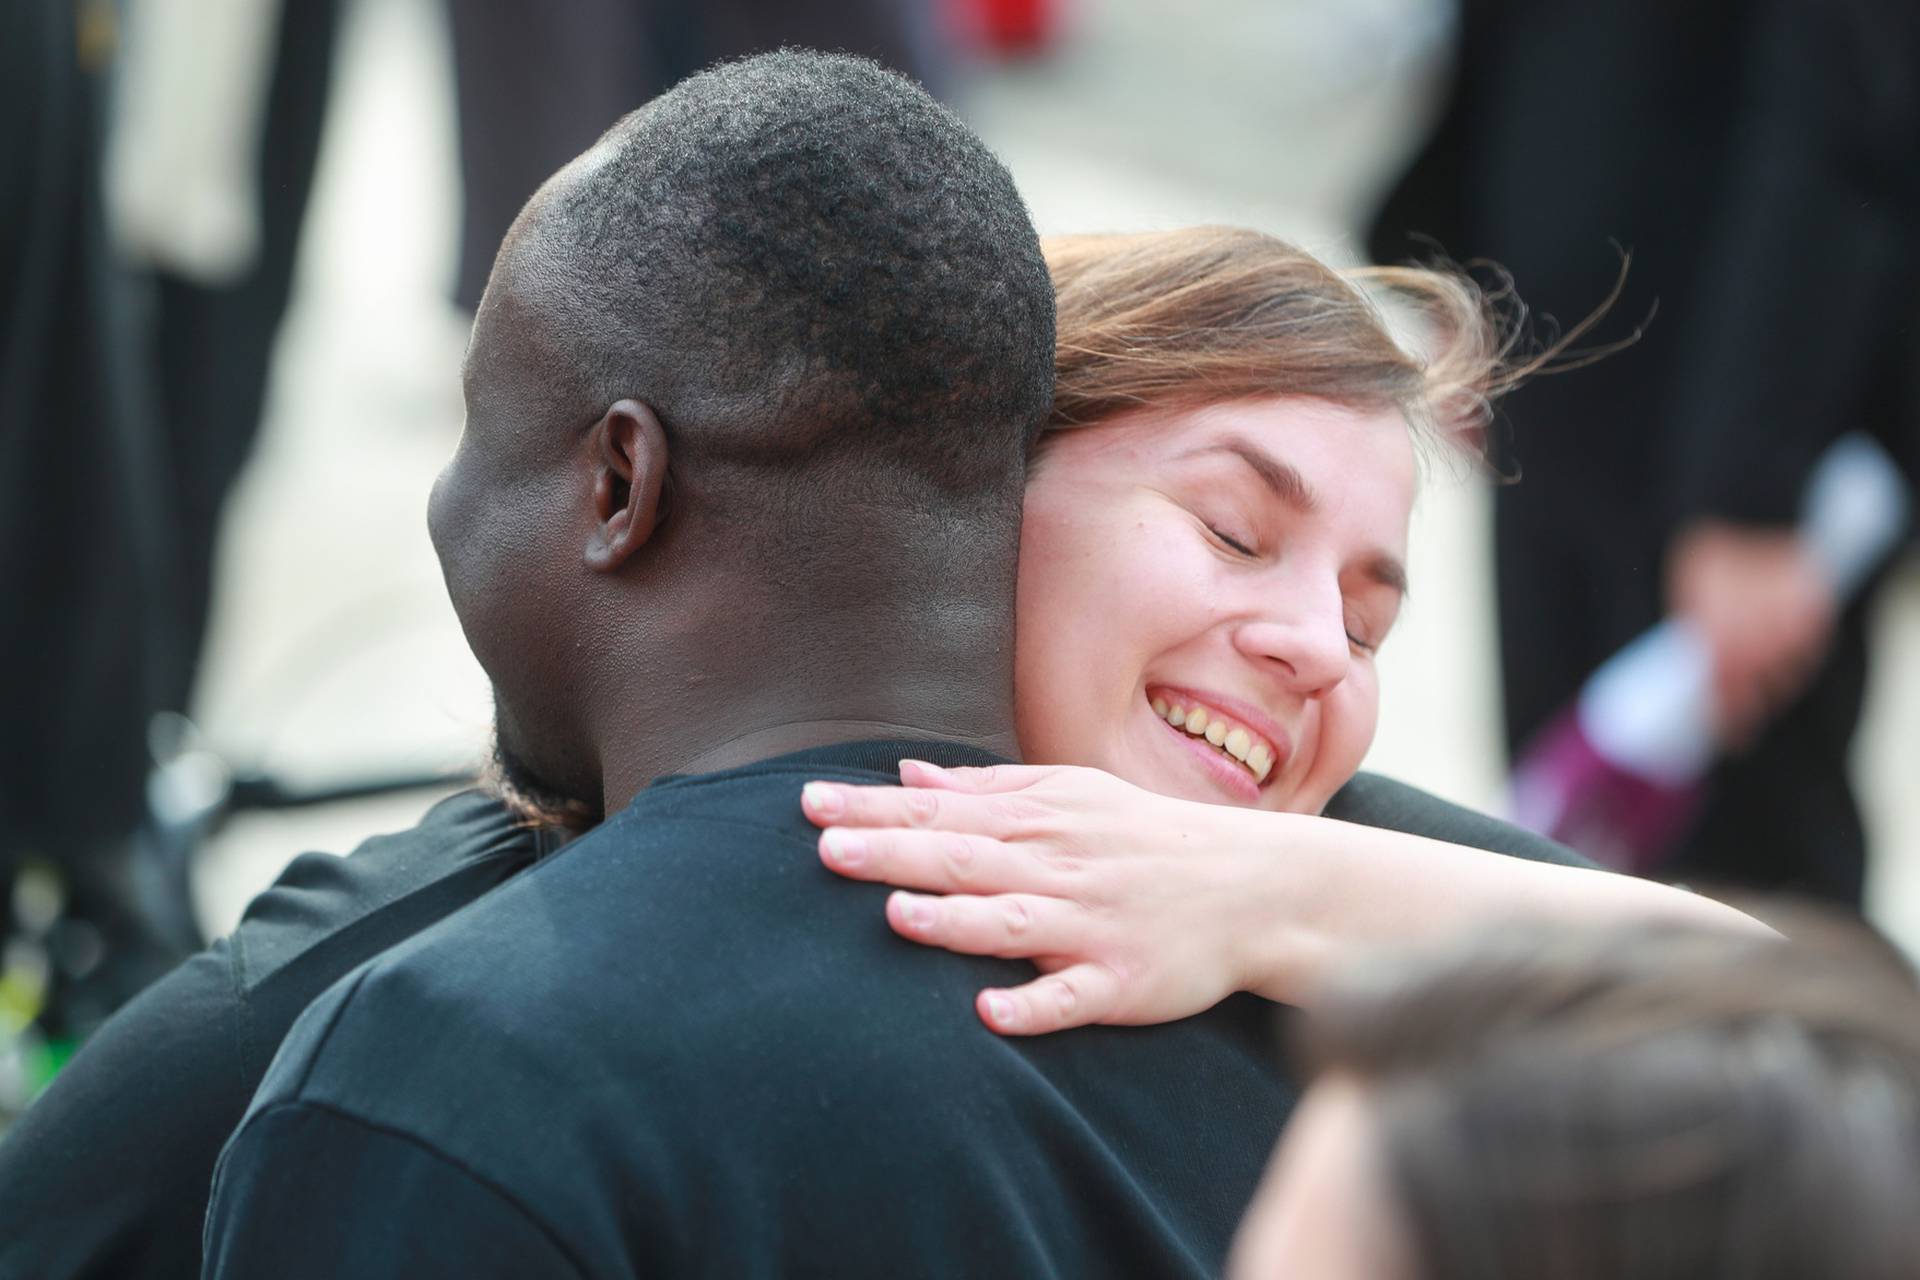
(377, 913)
(358, 976)
(243, 1036)
(434, 1152)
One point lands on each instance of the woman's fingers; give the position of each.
(936, 861)
(1012, 926)
(974, 780)
(1073, 997)
(1016, 926)
(1049, 803)
(932, 796)
(842, 804)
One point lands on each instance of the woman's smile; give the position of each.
(1243, 737)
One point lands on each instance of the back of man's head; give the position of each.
(813, 273)
(751, 391)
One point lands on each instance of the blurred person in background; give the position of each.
(90, 627)
(1756, 159)
(152, 228)
(1605, 1104)
(219, 109)
(536, 83)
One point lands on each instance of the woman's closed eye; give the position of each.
(1228, 527)
(1367, 631)
(1230, 542)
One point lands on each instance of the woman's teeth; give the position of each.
(1223, 733)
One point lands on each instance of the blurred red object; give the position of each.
(1007, 27)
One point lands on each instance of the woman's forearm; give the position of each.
(1141, 908)
(1322, 889)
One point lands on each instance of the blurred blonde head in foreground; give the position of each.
(1634, 1104)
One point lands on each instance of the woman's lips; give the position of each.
(1243, 734)
(1226, 775)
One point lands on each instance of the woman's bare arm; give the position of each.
(1140, 908)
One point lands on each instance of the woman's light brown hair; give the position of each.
(1202, 315)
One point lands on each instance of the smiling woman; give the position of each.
(1254, 548)
(1213, 551)
(1230, 468)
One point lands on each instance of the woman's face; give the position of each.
(1231, 568)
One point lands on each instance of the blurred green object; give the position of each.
(26, 1060)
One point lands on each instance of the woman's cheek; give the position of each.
(1359, 716)
(1348, 718)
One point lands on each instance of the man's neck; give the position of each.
(785, 739)
(747, 672)
(730, 732)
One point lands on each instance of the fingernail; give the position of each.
(918, 912)
(923, 765)
(847, 848)
(823, 800)
(1000, 1009)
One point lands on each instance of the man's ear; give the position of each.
(629, 483)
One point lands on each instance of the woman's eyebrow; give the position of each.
(1287, 484)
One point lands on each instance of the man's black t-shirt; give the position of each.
(108, 1173)
(680, 1047)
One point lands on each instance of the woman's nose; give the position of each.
(1307, 645)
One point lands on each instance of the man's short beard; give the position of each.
(509, 777)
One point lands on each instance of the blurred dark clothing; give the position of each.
(538, 82)
(90, 620)
(215, 344)
(88, 634)
(107, 1175)
(128, 402)
(1759, 159)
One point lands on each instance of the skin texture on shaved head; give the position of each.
(749, 400)
(796, 253)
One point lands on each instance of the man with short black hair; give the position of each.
(748, 402)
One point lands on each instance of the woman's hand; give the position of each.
(1135, 907)
(1140, 908)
